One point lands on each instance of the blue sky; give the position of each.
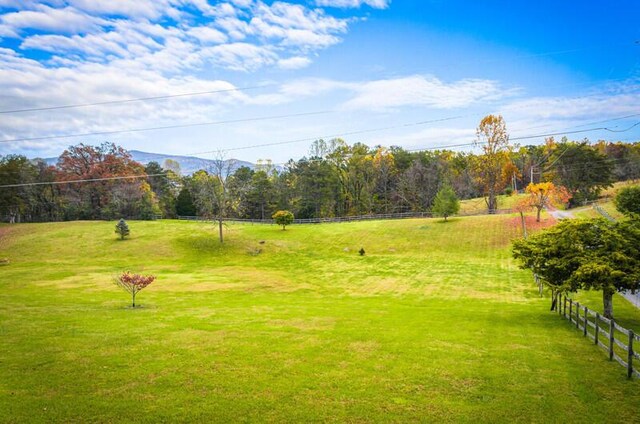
(417, 74)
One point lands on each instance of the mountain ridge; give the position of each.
(188, 164)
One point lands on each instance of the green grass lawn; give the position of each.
(478, 205)
(435, 323)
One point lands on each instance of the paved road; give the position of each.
(558, 214)
(634, 299)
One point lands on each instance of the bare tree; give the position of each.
(221, 169)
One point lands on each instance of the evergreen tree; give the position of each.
(184, 203)
(122, 229)
(445, 203)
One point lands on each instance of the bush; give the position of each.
(627, 201)
(283, 218)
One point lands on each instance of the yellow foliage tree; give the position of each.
(490, 168)
(546, 194)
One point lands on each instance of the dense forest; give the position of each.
(335, 179)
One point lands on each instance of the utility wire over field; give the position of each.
(442, 147)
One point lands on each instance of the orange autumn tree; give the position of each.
(546, 194)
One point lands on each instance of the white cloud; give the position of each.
(377, 4)
(93, 45)
(245, 34)
(587, 107)
(86, 51)
(147, 9)
(207, 35)
(297, 62)
(427, 91)
(67, 20)
(241, 56)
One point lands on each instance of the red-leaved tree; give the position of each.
(84, 162)
(133, 283)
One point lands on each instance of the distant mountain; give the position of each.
(188, 164)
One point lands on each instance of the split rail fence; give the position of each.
(602, 331)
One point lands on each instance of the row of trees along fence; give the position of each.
(603, 332)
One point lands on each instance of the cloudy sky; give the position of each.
(235, 74)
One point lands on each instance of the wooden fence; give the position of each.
(399, 215)
(603, 212)
(603, 331)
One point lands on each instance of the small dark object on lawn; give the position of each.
(262, 242)
(361, 251)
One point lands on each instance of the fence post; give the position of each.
(612, 328)
(630, 356)
(586, 320)
(597, 328)
(578, 315)
(559, 303)
(564, 306)
(570, 309)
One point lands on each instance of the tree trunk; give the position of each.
(554, 300)
(220, 228)
(607, 300)
(133, 299)
(524, 224)
(538, 215)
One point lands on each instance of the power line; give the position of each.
(628, 129)
(132, 100)
(449, 146)
(86, 180)
(337, 135)
(330, 136)
(574, 165)
(165, 127)
(235, 89)
(364, 131)
(157, 128)
(528, 137)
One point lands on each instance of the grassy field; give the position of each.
(434, 323)
(478, 205)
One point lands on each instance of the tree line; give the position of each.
(335, 179)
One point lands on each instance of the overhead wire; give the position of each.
(254, 87)
(164, 174)
(133, 100)
(198, 124)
